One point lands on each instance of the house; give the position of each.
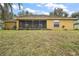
(40, 22)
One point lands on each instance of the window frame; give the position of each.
(56, 23)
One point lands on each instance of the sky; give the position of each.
(46, 8)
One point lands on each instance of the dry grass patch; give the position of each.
(39, 42)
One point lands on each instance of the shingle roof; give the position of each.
(42, 17)
(11, 20)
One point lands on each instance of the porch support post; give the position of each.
(39, 24)
(17, 25)
(32, 24)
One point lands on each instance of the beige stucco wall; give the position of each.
(67, 23)
(9, 25)
(17, 25)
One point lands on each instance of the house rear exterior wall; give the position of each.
(10, 25)
(68, 24)
(49, 24)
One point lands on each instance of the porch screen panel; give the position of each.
(42, 24)
(35, 24)
(25, 24)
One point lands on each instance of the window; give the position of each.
(56, 23)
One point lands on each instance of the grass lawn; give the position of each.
(38, 42)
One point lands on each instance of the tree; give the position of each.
(27, 12)
(7, 10)
(23, 13)
(64, 14)
(75, 14)
(59, 12)
(51, 14)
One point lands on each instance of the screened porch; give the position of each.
(32, 24)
